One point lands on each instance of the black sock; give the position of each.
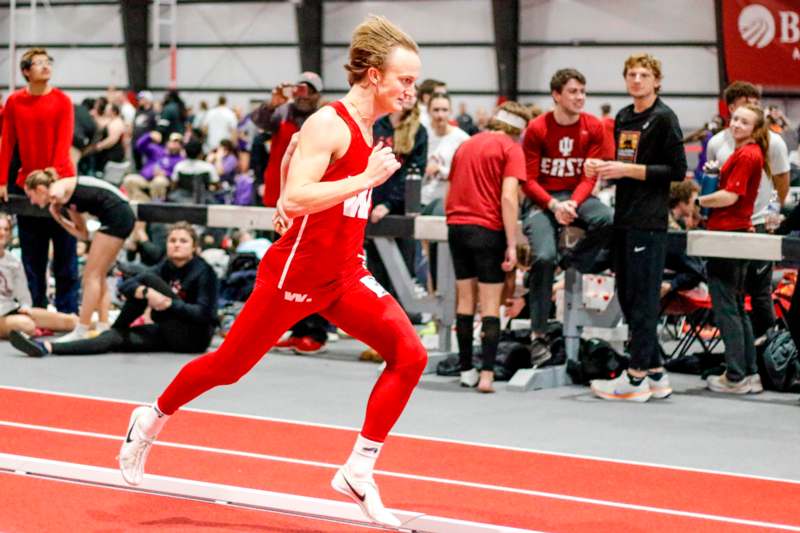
(464, 337)
(634, 380)
(655, 375)
(490, 338)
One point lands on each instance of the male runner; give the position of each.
(317, 265)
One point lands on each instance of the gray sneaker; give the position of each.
(540, 352)
(755, 384)
(724, 385)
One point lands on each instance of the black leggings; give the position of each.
(170, 335)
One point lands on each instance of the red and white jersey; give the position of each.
(554, 156)
(322, 249)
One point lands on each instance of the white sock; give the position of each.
(102, 326)
(362, 459)
(80, 329)
(151, 423)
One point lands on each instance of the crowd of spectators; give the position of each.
(165, 150)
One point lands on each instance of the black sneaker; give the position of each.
(25, 344)
(540, 352)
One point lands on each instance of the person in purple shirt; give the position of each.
(153, 181)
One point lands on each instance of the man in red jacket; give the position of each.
(37, 123)
(559, 190)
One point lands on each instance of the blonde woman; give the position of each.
(67, 199)
(16, 311)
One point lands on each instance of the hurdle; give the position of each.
(213, 493)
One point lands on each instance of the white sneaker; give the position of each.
(365, 493)
(136, 446)
(77, 334)
(660, 388)
(756, 387)
(621, 388)
(469, 378)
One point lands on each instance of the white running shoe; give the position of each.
(469, 378)
(621, 388)
(78, 334)
(660, 388)
(365, 493)
(136, 446)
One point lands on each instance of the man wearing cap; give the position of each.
(289, 106)
(145, 121)
(153, 180)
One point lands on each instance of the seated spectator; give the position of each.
(560, 147)
(181, 293)
(159, 163)
(192, 177)
(111, 145)
(732, 209)
(16, 311)
(686, 271)
(482, 208)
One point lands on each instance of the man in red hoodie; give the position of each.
(37, 124)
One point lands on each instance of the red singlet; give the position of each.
(321, 249)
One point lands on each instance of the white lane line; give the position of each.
(432, 439)
(444, 481)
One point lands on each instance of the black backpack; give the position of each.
(596, 360)
(778, 364)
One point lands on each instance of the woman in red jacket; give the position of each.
(732, 207)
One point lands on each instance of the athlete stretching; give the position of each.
(317, 265)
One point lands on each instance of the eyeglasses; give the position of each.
(42, 62)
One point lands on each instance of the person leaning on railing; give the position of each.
(731, 210)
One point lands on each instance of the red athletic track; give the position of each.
(671, 489)
(31, 504)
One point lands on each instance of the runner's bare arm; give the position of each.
(322, 137)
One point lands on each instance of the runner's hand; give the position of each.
(382, 164)
(4, 193)
(280, 221)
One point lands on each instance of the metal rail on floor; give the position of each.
(301, 506)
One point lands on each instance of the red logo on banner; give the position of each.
(761, 39)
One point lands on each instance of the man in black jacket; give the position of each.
(650, 155)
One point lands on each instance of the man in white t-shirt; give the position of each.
(443, 141)
(219, 123)
(758, 282)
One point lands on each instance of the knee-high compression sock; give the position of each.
(464, 336)
(490, 338)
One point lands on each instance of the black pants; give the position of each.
(639, 264)
(726, 279)
(758, 284)
(169, 335)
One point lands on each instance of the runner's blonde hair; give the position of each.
(372, 42)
